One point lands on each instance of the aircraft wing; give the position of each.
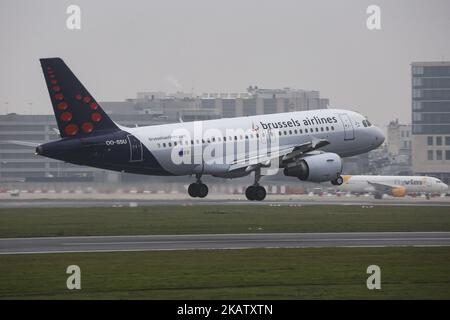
(382, 187)
(23, 143)
(284, 154)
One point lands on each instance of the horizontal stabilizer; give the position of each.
(23, 143)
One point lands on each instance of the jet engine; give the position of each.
(398, 191)
(316, 168)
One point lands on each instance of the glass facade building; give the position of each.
(430, 96)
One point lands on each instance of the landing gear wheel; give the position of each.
(199, 190)
(193, 190)
(378, 196)
(202, 190)
(260, 193)
(250, 193)
(338, 181)
(257, 193)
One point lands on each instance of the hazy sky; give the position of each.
(224, 46)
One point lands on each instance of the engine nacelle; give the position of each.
(398, 192)
(316, 168)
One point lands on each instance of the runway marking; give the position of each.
(222, 242)
(230, 248)
(251, 240)
(231, 234)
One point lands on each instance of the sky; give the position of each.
(224, 46)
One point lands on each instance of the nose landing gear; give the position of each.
(198, 189)
(338, 181)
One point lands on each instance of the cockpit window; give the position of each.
(366, 123)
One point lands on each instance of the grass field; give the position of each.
(313, 273)
(335, 273)
(223, 219)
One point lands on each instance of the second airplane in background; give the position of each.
(396, 186)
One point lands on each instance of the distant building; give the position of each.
(399, 143)
(431, 119)
(223, 105)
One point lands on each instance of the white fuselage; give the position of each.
(231, 138)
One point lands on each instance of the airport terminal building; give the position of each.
(19, 163)
(431, 119)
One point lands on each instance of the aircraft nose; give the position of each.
(379, 136)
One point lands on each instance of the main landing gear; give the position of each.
(198, 189)
(338, 181)
(255, 191)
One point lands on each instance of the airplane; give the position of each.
(396, 186)
(307, 145)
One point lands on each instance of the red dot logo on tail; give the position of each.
(62, 106)
(71, 129)
(87, 127)
(96, 117)
(66, 116)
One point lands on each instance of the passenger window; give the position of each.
(246, 137)
(306, 130)
(235, 138)
(290, 132)
(326, 128)
(301, 131)
(164, 144)
(213, 139)
(285, 132)
(332, 128)
(159, 145)
(321, 129)
(295, 131)
(174, 143)
(170, 144)
(317, 129)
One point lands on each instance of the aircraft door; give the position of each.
(349, 131)
(136, 151)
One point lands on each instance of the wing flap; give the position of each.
(284, 154)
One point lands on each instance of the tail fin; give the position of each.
(77, 113)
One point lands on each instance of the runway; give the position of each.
(220, 241)
(284, 201)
